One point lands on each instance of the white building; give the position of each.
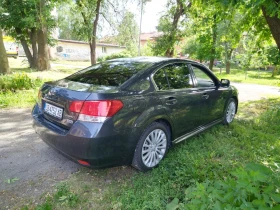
(79, 50)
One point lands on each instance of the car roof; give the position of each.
(149, 59)
(154, 60)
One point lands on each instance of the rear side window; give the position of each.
(112, 73)
(174, 76)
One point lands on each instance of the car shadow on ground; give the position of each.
(30, 168)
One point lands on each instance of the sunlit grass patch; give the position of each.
(253, 76)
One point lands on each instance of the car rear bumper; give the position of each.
(98, 144)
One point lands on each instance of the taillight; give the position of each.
(95, 111)
(76, 106)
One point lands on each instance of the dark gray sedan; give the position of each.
(131, 110)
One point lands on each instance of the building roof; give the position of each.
(150, 36)
(83, 42)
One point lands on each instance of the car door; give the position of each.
(214, 97)
(175, 89)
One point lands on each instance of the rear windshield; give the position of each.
(112, 73)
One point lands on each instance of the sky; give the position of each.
(151, 14)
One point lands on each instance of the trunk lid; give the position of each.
(57, 96)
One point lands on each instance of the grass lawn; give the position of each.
(225, 167)
(59, 69)
(27, 98)
(252, 76)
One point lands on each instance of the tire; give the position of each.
(152, 146)
(230, 111)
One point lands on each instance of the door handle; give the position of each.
(171, 101)
(205, 96)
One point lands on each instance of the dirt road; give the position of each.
(251, 92)
(28, 167)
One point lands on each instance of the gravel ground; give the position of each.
(33, 168)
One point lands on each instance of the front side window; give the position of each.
(203, 80)
(173, 76)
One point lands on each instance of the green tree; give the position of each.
(30, 22)
(270, 10)
(205, 21)
(128, 32)
(230, 32)
(171, 24)
(273, 55)
(91, 12)
(66, 17)
(198, 47)
(4, 64)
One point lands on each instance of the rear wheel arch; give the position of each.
(139, 159)
(145, 118)
(169, 126)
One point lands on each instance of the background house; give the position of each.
(79, 50)
(145, 37)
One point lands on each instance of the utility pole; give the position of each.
(139, 40)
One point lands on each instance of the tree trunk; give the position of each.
(33, 38)
(228, 59)
(214, 40)
(211, 64)
(228, 66)
(178, 13)
(42, 39)
(274, 72)
(93, 38)
(274, 26)
(169, 53)
(4, 63)
(25, 48)
(43, 53)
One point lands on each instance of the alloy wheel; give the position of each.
(230, 112)
(154, 148)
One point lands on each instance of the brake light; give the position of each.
(76, 106)
(95, 111)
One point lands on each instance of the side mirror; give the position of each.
(225, 83)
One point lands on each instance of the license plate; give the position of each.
(53, 110)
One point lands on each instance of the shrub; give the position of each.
(252, 187)
(18, 81)
(123, 54)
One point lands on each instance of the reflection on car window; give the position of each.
(112, 73)
(203, 80)
(178, 77)
(161, 80)
(141, 85)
